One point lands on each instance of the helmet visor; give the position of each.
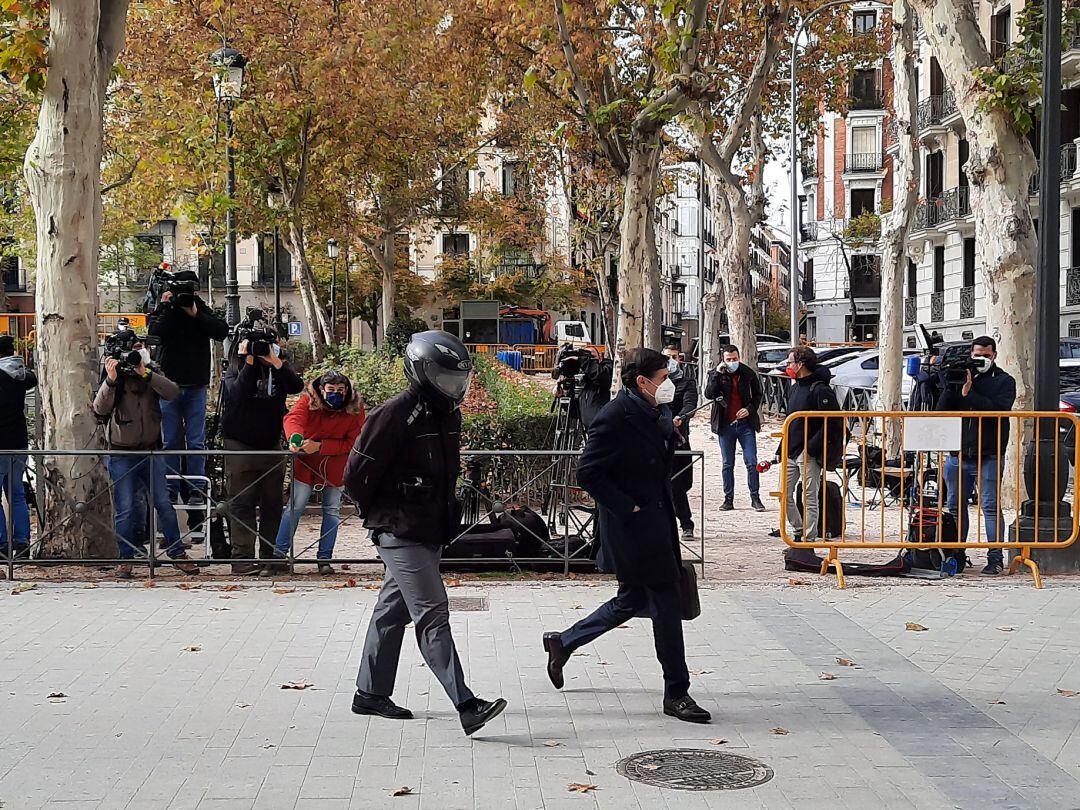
(451, 383)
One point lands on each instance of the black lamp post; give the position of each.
(229, 66)
(274, 202)
(332, 252)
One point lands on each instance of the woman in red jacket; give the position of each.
(328, 418)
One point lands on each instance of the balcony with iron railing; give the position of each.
(809, 167)
(1072, 287)
(949, 107)
(967, 302)
(956, 203)
(937, 307)
(863, 163)
(892, 134)
(1069, 168)
(867, 101)
(808, 232)
(929, 213)
(929, 113)
(911, 310)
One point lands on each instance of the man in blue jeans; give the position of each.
(15, 380)
(736, 393)
(129, 396)
(982, 445)
(185, 327)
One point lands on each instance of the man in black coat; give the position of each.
(15, 380)
(682, 408)
(626, 467)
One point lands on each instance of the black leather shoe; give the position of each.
(478, 713)
(557, 658)
(727, 506)
(757, 504)
(363, 703)
(686, 709)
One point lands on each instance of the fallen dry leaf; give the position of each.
(243, 705)
(188, 586)
(23, 587)
(552, 743)
(780, 730)
(346, 567)
(297, 685)
(589, 773)
(576, 607)
(350, 583)
(333, 585)
(918, 628)
(701, 672)
(150, 583)
(826, 676)
(90, 585)
(1067, 693)
(845, 662)
(793, 581)
(452, 582)
(404, 790)
(229, 588)
(56, 696)
(718, 742)
(284, 590)
(1006, 629)
(997, 702)
(581, 787)
(192, 649)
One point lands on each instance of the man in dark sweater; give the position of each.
(682, 407)
(184, 356)
(736, 417)
(253, 406)
(15, 380)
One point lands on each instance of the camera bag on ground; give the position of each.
(529, 528)
(929, 526)
(831, 506)
(483, 541)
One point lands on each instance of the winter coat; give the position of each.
(334, 430)
(718, 388)
(252, 419)
(686, 399)
(813, 393)
(184, 353)
(627, 462)
(595, 388)
(403, 471)
(133, 407)
(15, 380)
(994, 390)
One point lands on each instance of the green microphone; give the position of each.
(296, 440)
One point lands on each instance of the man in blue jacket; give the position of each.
(626, 467)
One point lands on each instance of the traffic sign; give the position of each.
(295, 329)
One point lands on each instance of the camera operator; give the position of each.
(130, 397)
(596, 375)
(185, 325)
(256, 385)
(978, 385)
(736, 418)
(686, 400)
(15, 380)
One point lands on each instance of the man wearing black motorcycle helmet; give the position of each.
(402, 474)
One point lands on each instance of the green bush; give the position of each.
(399, 332)
(376, 375)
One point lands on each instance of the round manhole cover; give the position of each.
(694, 769)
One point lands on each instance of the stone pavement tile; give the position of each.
(327, 787)
(226, 804)
(325, 804)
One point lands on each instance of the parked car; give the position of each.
(770, 355)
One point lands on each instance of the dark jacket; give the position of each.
(627, 462)
(403, 470)
(15, 380)
(595, 388)
(718, 388)
(686, 399)
(813, 393)
(925, 389)
(994, 390)
(248, 414)
(133, 405)
(184, 353)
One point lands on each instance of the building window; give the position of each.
(912, 279)
(455, 245)
(939, 269)
(969, 263)
(510, 175)
(863, 22)
(937, 78)
(454, 189)
(864, 140)
(864, 90)
(962, 154)
(1000, 33)
(1074, 329)
(266, 261)
(862, 201)
(1075, 236)
(687, 220)
(935, 174)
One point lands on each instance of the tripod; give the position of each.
(563, 515)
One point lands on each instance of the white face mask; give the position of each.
(145, 355)
(665, 392)
(275, 349)
(984, 362)
(672, 365)
(733, 365)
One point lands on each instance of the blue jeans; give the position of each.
(960, 488)
(133, 477)
(298, 500)
(183, 427)
(743, 433)
(11, 483)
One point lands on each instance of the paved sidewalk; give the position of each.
(965, 714)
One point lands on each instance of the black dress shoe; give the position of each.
(477, 713)
(557, 658)
(727, 506)
(686, 709)
(363, 703)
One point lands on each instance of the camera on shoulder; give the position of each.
(120, 346)
(183, 284)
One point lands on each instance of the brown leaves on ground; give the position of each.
(581, 787)
(997, 702)
(229, 588)
(189, 586)
(284, 590)
(1007, 629)
(150, 583)
(404, 790)
(1067, 693)
(56, 697)
(826, 676)
(846, 662)
(915, 627)
(552, 743)
(781, 731)
(297, 685)
(792, 581)
(193, 648)
(23, 587)
(718, 742)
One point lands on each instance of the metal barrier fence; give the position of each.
(80, 491)
(919, 499)
(775, 393)
(535, 358)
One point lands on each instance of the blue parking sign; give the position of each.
(295, 329)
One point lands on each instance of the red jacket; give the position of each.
(336, 431)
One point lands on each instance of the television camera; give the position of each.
(183, 284)
(120, 346)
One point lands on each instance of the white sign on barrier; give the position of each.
(925, 433)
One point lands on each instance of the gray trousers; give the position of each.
(812, 496)
(413, 590)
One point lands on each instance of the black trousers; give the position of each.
(255, 487)
(681, 484)
(660, 603)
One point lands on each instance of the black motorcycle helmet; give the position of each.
(438, 364)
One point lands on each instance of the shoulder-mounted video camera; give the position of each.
(257, 331)
(120, 346)
(183, 284)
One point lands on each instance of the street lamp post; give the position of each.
(274, 203)
(229, 66)
(332, 252)
(793, 291)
